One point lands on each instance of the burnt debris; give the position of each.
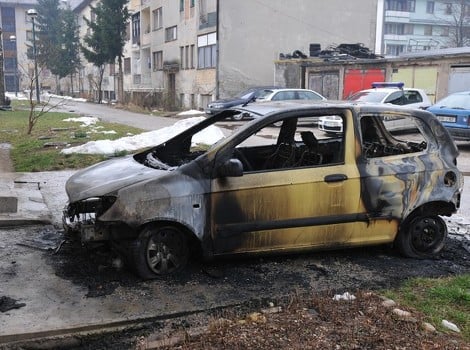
(333, 53)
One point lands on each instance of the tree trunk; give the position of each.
(120, 82)
(100, 81)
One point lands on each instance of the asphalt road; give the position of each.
(114, 115)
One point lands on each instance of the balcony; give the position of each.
(397, 17)
(396, 14)
(396, 37)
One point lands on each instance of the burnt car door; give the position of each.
(297, 190)
(394, 167)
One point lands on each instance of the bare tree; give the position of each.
(457, 17)
(36, 110)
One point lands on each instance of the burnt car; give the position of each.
(264, 189)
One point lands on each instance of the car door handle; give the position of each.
(335, 178)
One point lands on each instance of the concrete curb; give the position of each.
(31, 207)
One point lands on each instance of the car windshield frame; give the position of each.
(369, 96)
(246, 94)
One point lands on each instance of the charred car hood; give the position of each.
(106, 177)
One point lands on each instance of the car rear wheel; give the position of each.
(422, 237)
(159, 250)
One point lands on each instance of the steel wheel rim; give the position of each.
(427, 234)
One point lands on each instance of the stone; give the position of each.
(388, 303)
(428, 327)
(449, 325)
(401, 313)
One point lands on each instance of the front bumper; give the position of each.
(81, 217)
(459, 133)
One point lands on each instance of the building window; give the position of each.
(400, 5)
(136, 79)
(8, 19)
(206, 50)
(186, 57)
(409, 28)
(191, 57)
(112, 69)
(185, 60)
(444, 31)
(394, 28)
(181, 57)
(448, 9)
(395, 50)
(427, 30)
(157, 60)
(430, 7)
(191, 3)
(29, 35)
(127, 65)
(181, 5)
(9, 63)
(170, 34)
(157, 18)
(136, 28)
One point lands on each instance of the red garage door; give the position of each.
(360, 79)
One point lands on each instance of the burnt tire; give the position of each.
(422, 237)
(159, 251)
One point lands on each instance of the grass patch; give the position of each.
(40, 151)
(441, 298)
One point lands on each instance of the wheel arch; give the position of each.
(431, 208)
(195, 243)
(422, 234)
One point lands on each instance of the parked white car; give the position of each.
(394, 93)
(384, 92)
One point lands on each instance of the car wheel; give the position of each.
(422, 237)
(159, 250)
(238, 116)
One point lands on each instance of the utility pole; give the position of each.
(32, 13)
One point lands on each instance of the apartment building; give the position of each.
(419, 25)
(17, 40)
(194, 51)
(198, 50)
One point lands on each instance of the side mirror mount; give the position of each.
(231, 168)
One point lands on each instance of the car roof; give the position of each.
(389, 89)
(290, 89)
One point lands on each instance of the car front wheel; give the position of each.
(422, 237)
(159, 250)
